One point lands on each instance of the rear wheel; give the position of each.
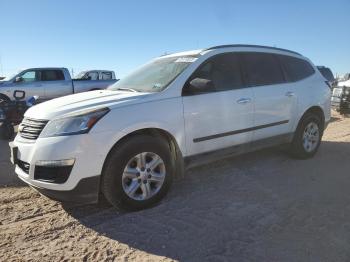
(307, 138)
(138, 173)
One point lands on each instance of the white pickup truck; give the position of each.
(49, 83)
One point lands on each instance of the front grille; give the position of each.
(24, 166)
(31, 128)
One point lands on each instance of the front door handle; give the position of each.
(244, 101)
(290, 94)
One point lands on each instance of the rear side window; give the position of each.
(91, 76)
(262, 69)
(296, 69)
(223, 70)
(106, 75)
(52, 75)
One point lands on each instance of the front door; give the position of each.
(29, 82)
(220, 117)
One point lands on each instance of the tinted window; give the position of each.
(296, 69)
(52, 75)
(262, 69)
(106, 75)
(223, 71)
(327, 73)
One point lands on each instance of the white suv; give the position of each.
(178, 110)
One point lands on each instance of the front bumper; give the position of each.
(82, 182)
(86, 191)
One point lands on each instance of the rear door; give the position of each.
(220, 117)
(274, 99)
(55, 84)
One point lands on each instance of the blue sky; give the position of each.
(121, 35)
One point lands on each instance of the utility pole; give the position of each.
(1, 68)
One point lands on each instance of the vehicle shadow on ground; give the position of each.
(235, 209)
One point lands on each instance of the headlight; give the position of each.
(73, 124)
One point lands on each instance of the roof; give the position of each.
(253, 46)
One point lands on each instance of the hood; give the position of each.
(2, 82)
(83, 101)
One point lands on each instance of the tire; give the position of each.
(6, 131)
(4, 98)
(299, 148)
(116, 182)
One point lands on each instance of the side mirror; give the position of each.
(201, 85)
(18, 79)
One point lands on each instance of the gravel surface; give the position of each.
(262, 206)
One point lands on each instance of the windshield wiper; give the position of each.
(126, 89)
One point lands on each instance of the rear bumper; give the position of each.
(86, 191)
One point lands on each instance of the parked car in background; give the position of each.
(341, 97)
(327, 73)
(48, 83)
(129, 141)
(96, 75)
(2, 77)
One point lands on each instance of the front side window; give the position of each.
(222, 70)
(52, 75)
(296, 69)
(154, 76)
(29, 76)
(262, 69)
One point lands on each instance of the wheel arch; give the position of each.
(155, 132)
(317, 110)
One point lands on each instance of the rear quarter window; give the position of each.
(296, 69)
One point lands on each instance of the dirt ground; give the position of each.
(262, 206)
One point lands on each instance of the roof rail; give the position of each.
(258, 46)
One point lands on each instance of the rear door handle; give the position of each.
(244, 101)
(290, 94)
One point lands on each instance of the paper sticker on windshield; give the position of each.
(185, 59)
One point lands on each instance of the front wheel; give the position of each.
(138, 173)
(307, 138)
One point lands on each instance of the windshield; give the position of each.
(154, 76)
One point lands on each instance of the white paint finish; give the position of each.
(185, 118)
(217, 113)
(274, 103)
